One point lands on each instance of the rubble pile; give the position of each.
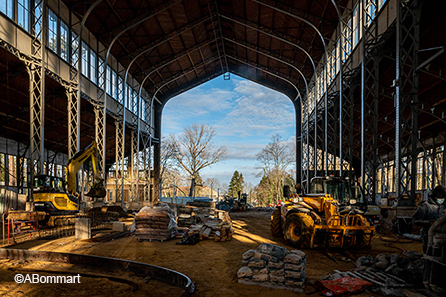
(209, 228)
(155, 223)
(190, 215)
(273, 266)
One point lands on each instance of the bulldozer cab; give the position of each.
(339, 189)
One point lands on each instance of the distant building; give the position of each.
(203, 191)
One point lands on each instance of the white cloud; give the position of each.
(244, 151)
(198, 102)
(258, 111)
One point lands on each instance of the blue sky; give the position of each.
(244, 115)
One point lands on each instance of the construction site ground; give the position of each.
(212, 266)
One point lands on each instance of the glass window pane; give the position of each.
(85, 54)
(114, 84)
(64, 41)
(52, 31)
(93, 66)
(23, 14)
(108, 83)
(7, 7)
(128, 94)
(356, 25)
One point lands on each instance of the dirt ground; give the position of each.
(212, 266)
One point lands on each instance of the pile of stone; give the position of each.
(155, 223)
(211, 228)
(191, 215)
(273, 266)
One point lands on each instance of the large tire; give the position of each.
(276, 229)
(295, 231)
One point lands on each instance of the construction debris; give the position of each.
(274, 267)
(155, 223)
(209, 228)
(407, 267)
(187, 215)
(223, 232)
(386, 275)
(341, 286)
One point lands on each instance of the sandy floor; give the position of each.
(212, 266)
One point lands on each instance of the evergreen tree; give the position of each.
(236, 184)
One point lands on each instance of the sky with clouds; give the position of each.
(244, 115)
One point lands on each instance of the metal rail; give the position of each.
(140, 269)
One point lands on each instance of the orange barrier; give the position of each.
(14, 227)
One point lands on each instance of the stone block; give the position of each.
(83, 228)
(118, 226)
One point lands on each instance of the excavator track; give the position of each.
(62, 220)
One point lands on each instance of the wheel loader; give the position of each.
(329, 216)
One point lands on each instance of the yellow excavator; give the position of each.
(59, 201)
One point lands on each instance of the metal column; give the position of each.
(36, 71)
(120, 138)
(406, 97)
(305, 146)
(134, 153)
(371, 56)
(346, 97)
(146, 147)
(100, 112)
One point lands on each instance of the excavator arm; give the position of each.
(90, 152)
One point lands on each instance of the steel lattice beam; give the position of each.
(36, 71)
(371, 57)
(119, 165)
(406, 97)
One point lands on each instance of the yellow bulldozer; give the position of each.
(328, 216)
(57, 202)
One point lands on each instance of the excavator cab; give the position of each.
(50, 196)
(49, 184)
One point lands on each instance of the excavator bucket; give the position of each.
(97, 191)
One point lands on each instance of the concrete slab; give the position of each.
(118, 226)
(83, 228)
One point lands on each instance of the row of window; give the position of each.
(8, 170)
(58, 41)
(430, 169)
(352, 33)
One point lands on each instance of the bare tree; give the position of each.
(169, 171)
(274, 160)
(193, 150)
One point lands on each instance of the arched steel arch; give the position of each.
(314, 69)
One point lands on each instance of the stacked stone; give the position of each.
(273, 266)
(155, 223)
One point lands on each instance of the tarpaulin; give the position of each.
(342, 286)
